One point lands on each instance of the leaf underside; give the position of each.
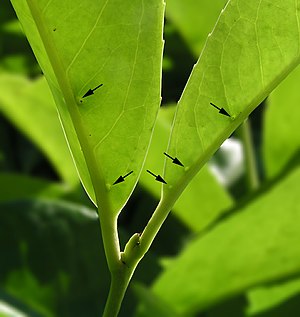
(203, 200)
(83, 44)
(253, 46)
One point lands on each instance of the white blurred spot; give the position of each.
(232, 167)
(9, 310)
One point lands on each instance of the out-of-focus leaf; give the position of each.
(281, 124)
(46, 250)
(15, 63)
(194, 19)
(82, 45)
(203, 200)
(15, 187)
(12, 27)
(290, 307)
(23, 285)
(29, 105)
(6, 13)
(259, 244)
(151, 305)
(52, 259)
(263, 298)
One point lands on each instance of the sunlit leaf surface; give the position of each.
(252, 47)
(81, 45)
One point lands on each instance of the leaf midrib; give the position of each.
(71, 103)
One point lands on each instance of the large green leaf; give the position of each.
(203, 200)
(15, 186)
(46, 250)
(259, 244)
(263, 298)
(30, 107)
(283, 112)
(252, 47)
(194, 19)
(151, 305)
(51, 259)
(82, 44)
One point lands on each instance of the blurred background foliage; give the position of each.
(229, 248)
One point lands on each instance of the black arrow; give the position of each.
(91, 91)
(221, 110)
(157, 177)
(175, 160)
(122, 178)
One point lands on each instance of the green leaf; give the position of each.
(259, 244)
(21, 283)
(12, 27)
(194, 19)
(28, 105)
(263, 298)
(81, 45)
(283, 113)
(204, 190)
(15, 186)
(244, 58)
(151, 305)
(46, 249)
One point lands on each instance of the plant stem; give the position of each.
(134, 255)
(110, 237)
(159, 216)
(119, 283)
(251, 167)
(135, 249)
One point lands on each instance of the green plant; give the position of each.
(81, 45)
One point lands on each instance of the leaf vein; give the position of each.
(257, 44)
(87, 38)
(130, 81)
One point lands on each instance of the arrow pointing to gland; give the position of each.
(122, 178)
(91, 91)
(175, 160)
(157, 177)
(221, 110)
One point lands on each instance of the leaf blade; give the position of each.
(128, 66)
(241, 37)
(204, 190)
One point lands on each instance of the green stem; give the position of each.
(134, 253)
(251, 167)
(135, 249)
(153, 226)
(119, 283)
(138, 245)
(110, 237)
